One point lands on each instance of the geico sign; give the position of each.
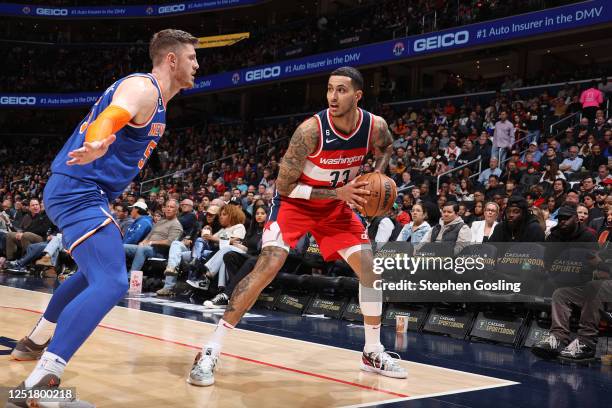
(264, 73)
(171, 9)
(441, 41)
(18, 100)
(51, 12)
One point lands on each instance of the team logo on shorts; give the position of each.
(235, 78)
(26, 10)
(149, 10)
(398, 49)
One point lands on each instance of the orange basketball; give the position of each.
(383, 193)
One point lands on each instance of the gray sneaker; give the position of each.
(203, 370)
(383, 363)
(27, 350)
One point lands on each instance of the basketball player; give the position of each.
(103, 155)
(313, 193)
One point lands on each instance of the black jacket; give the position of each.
(581, 234)
(39, 224)
(532, 232)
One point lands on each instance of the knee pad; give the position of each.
(370, 301)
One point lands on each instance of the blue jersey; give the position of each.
(114, 171)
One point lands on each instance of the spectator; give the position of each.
(551, 174)
(239, 264)
(493, 170)
(482, 230)
(503, 137)
(451, 228)
(518, 224)
(417, 229)
(404, 216)
(533, 118)
(142, 225)
(232, 232)
(572, 164)
(123, 218)
(591, 99)
(32, 228)
(159, 239)
(383, 229)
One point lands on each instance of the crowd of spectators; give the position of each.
(47, 68)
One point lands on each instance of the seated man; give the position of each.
(48, 250)
(32, 228)
(142, 225)
(590, 298)
(163, 233)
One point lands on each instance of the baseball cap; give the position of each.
(235, 201)
(534, 143)
(187, 202)
(213, 209)
(567, 211)
(141, 205)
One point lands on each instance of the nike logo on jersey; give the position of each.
(330, 140)
(160, 110)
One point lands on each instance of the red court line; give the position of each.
(280, 367)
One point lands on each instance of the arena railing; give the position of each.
(476, 160)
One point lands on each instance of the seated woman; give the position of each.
(238, 264)
(232, 232)
(482, 230)
(415, 230)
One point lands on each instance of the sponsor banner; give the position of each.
(292, 303)
(454, 324)
(84, 99)
(535, 334)
(221, 40)
(416, 316)
(267, 299)
(587, 14)
(326, 305)
(157, 10)
(352, 312)
(497, 329)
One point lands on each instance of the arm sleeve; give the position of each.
(112, 119)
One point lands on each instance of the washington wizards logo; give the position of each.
(26, 10)
(236, 78)
(149, 10)
(398, 49)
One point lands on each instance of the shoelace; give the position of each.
(551, 341)
(219, 297)
(386, 359)
(574, 347)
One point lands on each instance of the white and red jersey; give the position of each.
(338, 156)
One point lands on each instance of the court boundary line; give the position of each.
(503, 382)
(251, 360)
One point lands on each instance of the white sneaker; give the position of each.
(384, 364)
(203, 369)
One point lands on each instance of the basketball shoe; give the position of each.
(27, 350)
(383, 363)
(203, 369)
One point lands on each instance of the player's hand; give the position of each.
(90, 151)
(354, 193)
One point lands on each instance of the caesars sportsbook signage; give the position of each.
(586, 14)
(145, 10)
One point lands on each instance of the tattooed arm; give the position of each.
(303, 143)
(383, 144)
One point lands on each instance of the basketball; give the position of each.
(383, 193)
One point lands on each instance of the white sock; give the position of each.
(42, 331)
(49, 363)
(216, 341)
(372, 338)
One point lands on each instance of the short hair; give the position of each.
(354, 74)
(166, 41)
(453, 204)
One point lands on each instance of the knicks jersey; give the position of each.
(338, 156)
(125, 157)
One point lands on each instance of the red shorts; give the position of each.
(331, 222)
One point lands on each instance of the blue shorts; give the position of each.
(78, 208)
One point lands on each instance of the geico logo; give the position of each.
(441, 41)
(171, 9)
(264, 73)
(18, 100)
(51, 12)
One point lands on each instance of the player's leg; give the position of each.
(101, 259)
(374, 358)
(33, 345)
(244, 296)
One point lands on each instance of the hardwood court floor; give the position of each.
(141, 359)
